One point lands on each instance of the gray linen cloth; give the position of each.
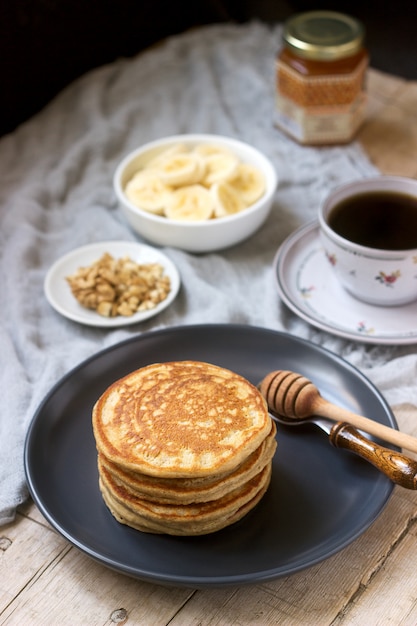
(56, 194)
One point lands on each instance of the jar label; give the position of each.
(320, 124)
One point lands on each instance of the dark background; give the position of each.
(46, 44)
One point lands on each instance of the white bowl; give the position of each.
(198, 236)
(382, 277)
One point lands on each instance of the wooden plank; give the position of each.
(392, 596)
(26, 550)
(74, 589)
(44, 580)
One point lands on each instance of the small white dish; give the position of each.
(310, 289)
(58, 292)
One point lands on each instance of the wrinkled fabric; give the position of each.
(56, 194)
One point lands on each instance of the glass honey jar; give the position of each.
(321, 78)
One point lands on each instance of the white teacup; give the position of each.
(368, 229)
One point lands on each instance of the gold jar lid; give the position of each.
(323, 35)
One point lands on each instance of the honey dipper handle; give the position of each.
(326, 409)
(396, 466)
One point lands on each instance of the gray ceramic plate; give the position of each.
(319, 501)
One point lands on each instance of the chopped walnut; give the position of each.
(119, 286)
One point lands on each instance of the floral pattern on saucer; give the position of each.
(362, 328)
(307, 285)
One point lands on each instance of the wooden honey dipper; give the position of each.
(296, 398)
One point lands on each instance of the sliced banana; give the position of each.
(176, 148)
(147, 191)
(226, 200)
(220, 167)
(196, 184)
(248, 182)
(190, 203)
(207, 149)
(182, 169)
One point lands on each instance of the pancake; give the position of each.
(183, 520)
(189, 490)
(183, 448)
(180, 419)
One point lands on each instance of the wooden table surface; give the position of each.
(372, 582)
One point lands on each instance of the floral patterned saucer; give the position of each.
(309, 288)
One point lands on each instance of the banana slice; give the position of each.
(147, 191)
(182, 169)
(190, 203)
(226, 200)
(220, 167)
(177, 148)
(207, 149)
(248, 182)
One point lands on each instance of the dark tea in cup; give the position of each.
(386, 220)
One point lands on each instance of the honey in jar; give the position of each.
(320, 73)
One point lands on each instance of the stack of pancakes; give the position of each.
(184, 448)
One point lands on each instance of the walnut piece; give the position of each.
(119, 286)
